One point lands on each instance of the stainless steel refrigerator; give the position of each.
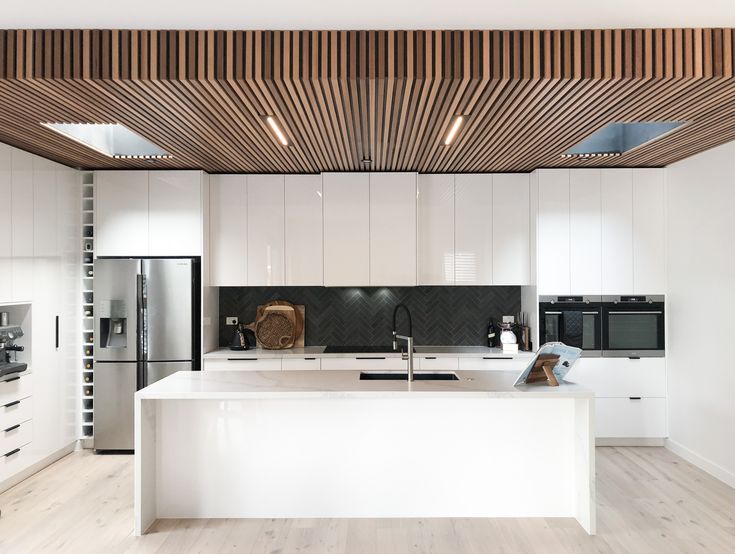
(146, 327)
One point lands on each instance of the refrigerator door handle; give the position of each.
(141, 316)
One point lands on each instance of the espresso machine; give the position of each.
(8, 336)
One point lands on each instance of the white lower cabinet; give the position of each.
(630, 417)
(242, 364)
(367, 363)
(301, 364)
(493, 364)
(436, 363)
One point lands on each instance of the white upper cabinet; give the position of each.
(617, 230)
(21, 205)
(393, 229)
(265, 222)
(649, 263)
(303, 230)
(346, 229)
(473, 229)
(228, 230)
(436, 229)
(585, 228)
(121, 213)
(553, 231)
(511, 238)
(45, 221)
(6, 227)
(175, 213)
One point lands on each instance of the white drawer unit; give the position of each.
(15, 460)
(15, 388)
(489, 363)
(621, 377)
(366, 363)
(13, 413)
(436, 363)
(242, 364)
(15, 436)
(631, 417)
(301, 364)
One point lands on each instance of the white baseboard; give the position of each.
(613, 441)
(36, 467)
(702, 463)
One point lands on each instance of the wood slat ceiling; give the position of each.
(389, 96)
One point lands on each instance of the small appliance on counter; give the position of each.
(242, 338)
(8, 335)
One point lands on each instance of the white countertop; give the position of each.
(318, 352)
(232, 385)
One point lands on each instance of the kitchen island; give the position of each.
(305, 444)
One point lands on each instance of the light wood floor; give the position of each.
(649, 500)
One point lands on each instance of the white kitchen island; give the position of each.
(324, 444)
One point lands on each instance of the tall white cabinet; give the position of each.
(585, 231)
(511, 235)
(228, 230)
(303, 230)
(473, 229)
(616, 187)
(436, 229)
(265, 221)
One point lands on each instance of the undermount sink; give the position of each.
(374, 376)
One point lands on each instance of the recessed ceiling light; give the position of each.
(111, 139)
(277, 130)
(366, 161)
(453, 131)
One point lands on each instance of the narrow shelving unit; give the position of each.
(87, 244)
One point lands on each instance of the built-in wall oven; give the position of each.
(573, 320)
(633, 326)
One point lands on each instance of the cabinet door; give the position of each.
(228, 241)
(616, 187)
(473, 229)
(553, 231)
(121, 213)
(265, 230)
(6, 227)
(393, 229)
(21, 214)
(436, 229)
(585, 228)
(175, 213)
(304, 242)
(346, 229)
(45, 230)
(511, 229)
(649, 225)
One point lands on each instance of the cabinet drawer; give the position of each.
(299, 364)
(242, 364)
(17, 461)
(15, 412)
(629, 418)
(16, 389)
(437, 363)
(16, 437)
(621, 377)
(493, 364)
(366, 363)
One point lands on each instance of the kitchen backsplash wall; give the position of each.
(363, 316)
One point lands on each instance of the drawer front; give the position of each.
(437, 363)
(366, 363)
(16, 412)
(626, 418)
(493, 364)
(621, 377)
(17, 389)
(300, 364)
(242, 364)
(16, 437)
(17, 461)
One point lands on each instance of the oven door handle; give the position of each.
(635, 313)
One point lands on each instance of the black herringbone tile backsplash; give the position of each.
(363, 316)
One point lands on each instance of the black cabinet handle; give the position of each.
(370, 358)
(10, 404)
(12, 452)
(13, 428)
(11, 380)
(430, 358)
(57, 332)
(242, 359)
(634, 397)
(634, 357)
(310, 358)
(496, 358)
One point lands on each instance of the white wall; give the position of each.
(701, 300)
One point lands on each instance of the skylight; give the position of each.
(110, 139)
(615, 139)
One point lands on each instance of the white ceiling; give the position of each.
(374, 14)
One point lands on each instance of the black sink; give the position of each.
(372, 376)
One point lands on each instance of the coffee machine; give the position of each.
(8, 336)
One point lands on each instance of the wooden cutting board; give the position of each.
(297, 312)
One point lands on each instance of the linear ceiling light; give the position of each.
(277, 131)
(615, 139)
(453, 131)
(111, 139)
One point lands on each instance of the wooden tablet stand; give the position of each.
(543, 370)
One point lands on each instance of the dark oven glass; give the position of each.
(633, 330)
(573, 323)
